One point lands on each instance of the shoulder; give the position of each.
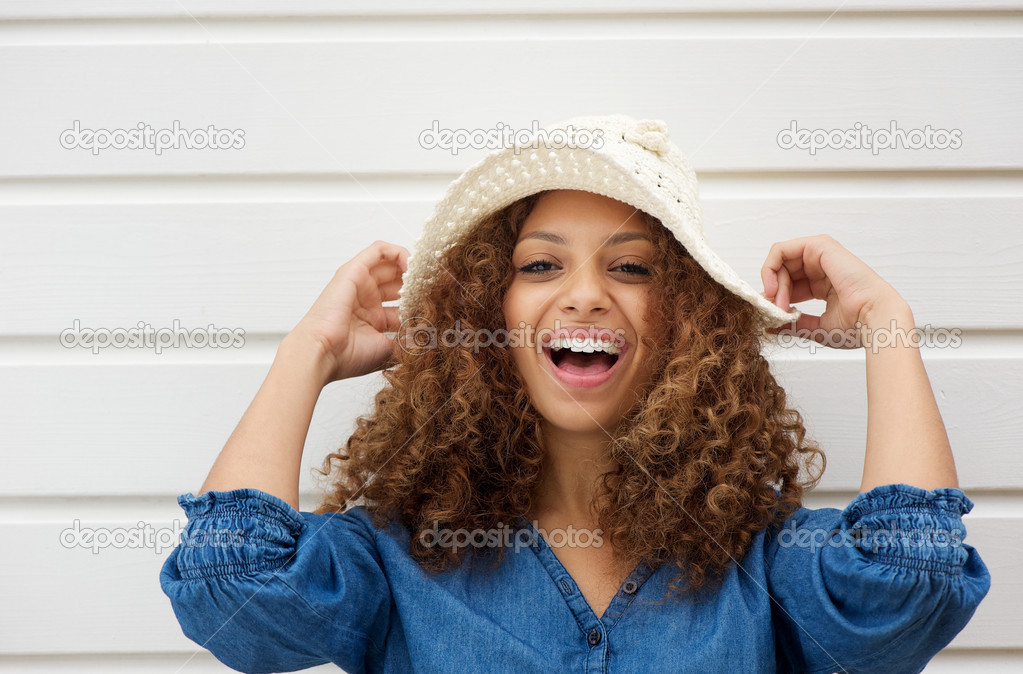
(358, 521)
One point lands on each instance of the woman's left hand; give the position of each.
(818, 267)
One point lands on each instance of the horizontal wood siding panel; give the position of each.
(258, 267)
(314, 108)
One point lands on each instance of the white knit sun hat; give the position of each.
(615, 156)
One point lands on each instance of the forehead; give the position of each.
(571, 211)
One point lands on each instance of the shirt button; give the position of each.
(630, 587)
(593, 638)
(566, 587)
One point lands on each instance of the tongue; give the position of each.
(586, 363)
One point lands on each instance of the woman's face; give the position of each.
(582, 261)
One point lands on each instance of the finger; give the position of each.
(365, 275)
(770, 271)
(385, 270)
(801, 259)
(380, 318)
(391, 320)
(389, 291)
(385, 250)
(801, 290)
(383, 260)
(372, 296)
(790, 254)
(378, 276)
(784, 286)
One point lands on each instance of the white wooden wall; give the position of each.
(332, 97)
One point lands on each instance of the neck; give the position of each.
(573, 464)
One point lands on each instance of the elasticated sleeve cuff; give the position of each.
(907, 526)
(233, 532)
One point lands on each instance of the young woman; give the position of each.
(581, 460)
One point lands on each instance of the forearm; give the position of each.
(906, 438)
(265, 450)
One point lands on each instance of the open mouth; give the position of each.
(584, 367)
(576, 362)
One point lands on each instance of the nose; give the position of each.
(584, 291)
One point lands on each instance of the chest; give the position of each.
(594, 569)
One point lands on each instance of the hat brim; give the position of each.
(507, 175)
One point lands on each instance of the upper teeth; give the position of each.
(584, 345)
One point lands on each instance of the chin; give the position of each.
(578, 421)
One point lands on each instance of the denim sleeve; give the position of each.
(268, 589)
(880, 586)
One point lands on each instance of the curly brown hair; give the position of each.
(708, 456)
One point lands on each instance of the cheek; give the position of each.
(512, 307)
(515, 308)
(643, 302)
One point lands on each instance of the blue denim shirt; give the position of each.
(882, 585)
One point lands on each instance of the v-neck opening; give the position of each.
(572, 594)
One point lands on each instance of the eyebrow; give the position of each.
(613, 240)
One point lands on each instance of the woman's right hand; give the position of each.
(347, 321)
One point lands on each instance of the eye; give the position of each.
(634, 268)
(531, 268)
